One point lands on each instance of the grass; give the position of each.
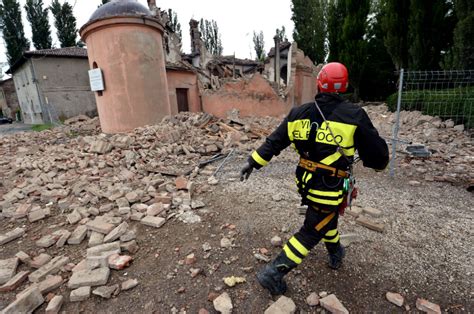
(42, 127)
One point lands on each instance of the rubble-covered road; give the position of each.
(129, 223)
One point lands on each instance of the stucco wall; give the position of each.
(305, 87)
(64, 86)
(254, 97)
(8, 99)
(130, 53)
(27, 93)
(183, 79)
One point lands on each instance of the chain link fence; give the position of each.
(448, 95)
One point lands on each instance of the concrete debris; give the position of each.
(96, 277)
(333, 305)
(49, 284)
(15, 281)
(54, 306)
(26, 302)
(40, 260)
(226, 243)
(80, 294)
(119, 262)
(395, 298)
(24, 258)
(276, 241)
(11, 235)
(50, 268)
(129, 284)
(223, 303)
(8, 269)
(313, 299)
(283, 305)
(427, 306)
(374, 212)
(116, 233)
(366, 222)
(78, 235)
(106, 292)
(262, 257)
(151, 221)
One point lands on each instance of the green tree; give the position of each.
(354, 46)
(65, 23)
(378, 78)
(39, 21)
(174, 24)
(281, 33)
(309, 17)
(430, 29)
(259, 46)
(461, 56)
(12, 30)
(394, 19)
(211, 37)
(335, 20)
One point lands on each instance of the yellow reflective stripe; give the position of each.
(325, 202)
(331, 158)
(331, 233)
(326, 193)
(308, 177)
(343, 133)
(299, 129)
(259, 159)
(291, 255)
(297, 245)
(335, 240)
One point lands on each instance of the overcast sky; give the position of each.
(236, 20)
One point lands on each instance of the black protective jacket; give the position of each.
(305, 130)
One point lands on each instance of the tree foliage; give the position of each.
(39, 21)
(174, 24)
(281, 34)
(65, 23)
(461, 55)
(394, 19)
(259, 46)
(430, 32)
(12, 30)
(335, 20)
(211, 37)
(353, 41)
(378, 77)
(310, 18)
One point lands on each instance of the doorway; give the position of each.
(182, 97)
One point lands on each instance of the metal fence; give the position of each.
(445, 94)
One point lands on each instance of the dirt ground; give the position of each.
(425, 250)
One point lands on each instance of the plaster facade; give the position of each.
(129, 50)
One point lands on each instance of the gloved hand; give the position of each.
(246, 171)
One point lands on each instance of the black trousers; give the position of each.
(319, 225)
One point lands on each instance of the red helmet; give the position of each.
(333, 78)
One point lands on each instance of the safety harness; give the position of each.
(321, 170)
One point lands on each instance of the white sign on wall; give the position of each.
(96, 80)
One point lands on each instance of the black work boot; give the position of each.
(271, 277)
(336, 256)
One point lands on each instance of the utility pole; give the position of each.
(277, 60)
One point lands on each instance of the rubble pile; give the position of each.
(73, 187)
(452, 149)
(91, 188)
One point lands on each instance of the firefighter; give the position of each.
(326, 134)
